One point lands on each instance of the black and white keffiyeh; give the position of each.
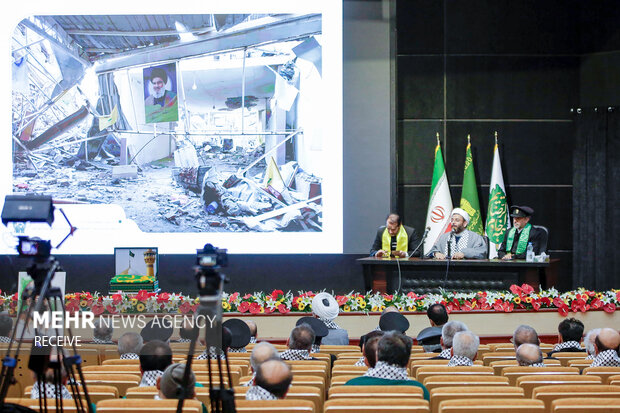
(149, 377)
(237, 350)
(316, 348)
(100, 341)
(330, 324)
(538, 365)
(360, 362)
(183, 340)
(258, 393)
(213, 354)
(4, 339)
(130, 356)
(590, 357)
(445, 354)
(249, 382)
(567, 344)
(458, 246)
(252, 340)
(295, 355)
(460, 361)
(382, 370)
(50, 391)
(607, 358)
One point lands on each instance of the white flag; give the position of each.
(439, 204)
(498, 221)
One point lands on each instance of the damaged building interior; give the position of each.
(240, 147)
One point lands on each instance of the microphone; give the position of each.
(449, 249)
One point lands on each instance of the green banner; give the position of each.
(469, 195)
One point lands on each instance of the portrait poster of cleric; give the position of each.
(160, 93)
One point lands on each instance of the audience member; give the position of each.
(528, 354)
(187, 332)
(262, 352)
(393, 321)
(326, 308)
(319, 328)
(430, 337)
(370, 351)
(464, 349)
(447, 336)
(240, 335)
(525, 335)
(570, 331)
(588, 343)
(102, 333)
(253, 330)
(273, 379)
(364, 361)
(129, 345)
(48, 388)
(6, 324)
(169, 383)
(393, 351)
(156, 331)
(607, 344)
(155, 357)
(299, 343)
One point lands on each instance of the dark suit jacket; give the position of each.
(536, 237)
(413, 241)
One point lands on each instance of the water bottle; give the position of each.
(529, 255)
(212, 207)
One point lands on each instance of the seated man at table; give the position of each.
(516, 238)
(395, 239)
(393, 351)
(460, 242)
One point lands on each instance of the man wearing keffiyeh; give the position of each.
(261, 353)
(607, 344)
(326, 308)
(464, 349)
(393, 351)
(48, 388)
(155, 357)
(6, 324)
(129, 345)
(273, 379)
(588, 343)
(447, 337)
(570, 331)
(299, 343)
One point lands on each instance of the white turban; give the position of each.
(462, 213)
(325, 306)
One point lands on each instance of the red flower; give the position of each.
(73, 306)
(283, 309)
(466, 306)
(618, 296)
(142, 295)
(515, 289)
(527, 289)
(388, 297)
(185, 307)
(111, 309)
(254, 308)
(243, 307)
(498, 305)
(536, 305)
(545, 301)
(117, 298)
(245, 297)
(596, 304)
(563, 311)
(1, 299)
(97, 309)
(233, 298)
(508, 307)
(276, 293)
(558, 302)
(340, 299)
(609, 308)
(163, 298)
(269, 310)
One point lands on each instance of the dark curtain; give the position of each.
(596, 206)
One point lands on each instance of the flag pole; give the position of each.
(496, 137)
(468, 139)
(438, 143)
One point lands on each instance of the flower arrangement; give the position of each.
(517, 298)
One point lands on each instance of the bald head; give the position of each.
(525, 335)
(262, 352)
(529, 354)
(607, 339)
(275, 376)
(253, 327)
(588, 341)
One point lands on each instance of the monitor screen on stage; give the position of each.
(176, 124)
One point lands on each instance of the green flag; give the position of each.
(469, 194)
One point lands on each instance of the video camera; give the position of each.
(211, 257)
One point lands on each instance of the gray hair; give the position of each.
(588, 341)
(431, 348)
(302, 337)
(525, 335)
(262, 352)
(130, 342)
(171, 381)
(528, 354)
(449, 330)
(465, 343)
(103, 332)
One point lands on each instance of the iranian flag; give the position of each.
(498, 221)
(440, 203)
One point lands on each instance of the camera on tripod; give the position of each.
(211, 257)
(34, 247)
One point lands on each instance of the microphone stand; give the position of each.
(448, 258)
(420, 244)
